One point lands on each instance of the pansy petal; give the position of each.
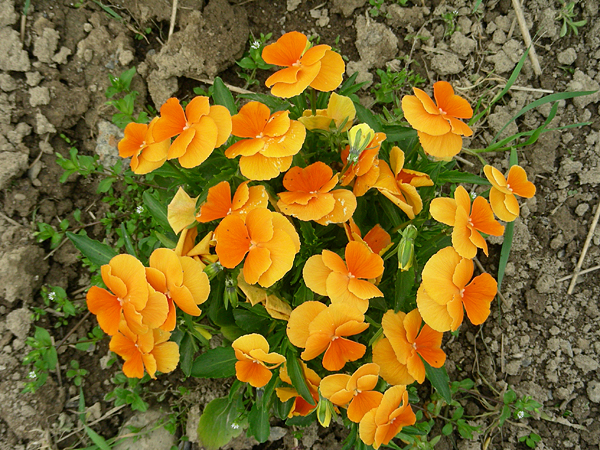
(437, 275)
(233, 241)
(517, 180)
(257, 262)
(166, 356)
(245, 147)
(222, 118)
(482, 218)
(332, 384)
(287, 50)
(258, 167)
(315, 274)
(278, 124)
(442, 147)
(171, 122)
(288, 75)
(391, 370)
(156, 310)
(421, 120)
(345, 205)
(461, 235)
(202, 145)
(330, 75)
(300, 319)
(416, 368)
(363, 289)
(306, 75)
(218, 203)
(477, 297)
(106, 307)
(183, 298)
(195, 279)
(443, 210)
(452, 104)
(180, 144)
(362, 262)
(251, 120)
(498, 201)
(255, 374)
(286, 145)
(434, 314)
(427, 102)
(362, 404)
(197, 107)
(341, 351)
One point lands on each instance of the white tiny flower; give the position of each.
(255, 45)
(32, 375)
(235, 425)
(139, 209)
(51, 295)
(473, 195)
(520, 414)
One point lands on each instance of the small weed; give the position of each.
(76, 373)
(530, 440)
(48, 232)
(392, 83)
(93, 337)
(376, 9)
(450, 23)
(567, 15)
(145, 31)
(128, 392)
(56, 299)
(125, 105)
(252, 60)
(43, 357)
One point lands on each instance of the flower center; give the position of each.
(187, 125)
(334, 338)
(462, 292)
(297, 64)
(143, 144)
(259, 135)
(508, 187)
(442, 112)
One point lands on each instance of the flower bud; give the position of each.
(406, 248)
(324, 411)
(213, 269)
(230, 296)
(359, 137)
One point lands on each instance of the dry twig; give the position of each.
(527, 37)
(584, 250)
(173, 16)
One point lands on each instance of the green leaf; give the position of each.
(97, 439)
(219, 423)
(440, 381)
(275, 104)
(456, 176)
(128, 242)
(105, 185)
(97, 252)
(296, 374)
(363, 115)
(187, 349)
(157, 209)
(258, 423)
(509, 397)
(250, 321)
(215, 363)
(405, 281)
(222, 96)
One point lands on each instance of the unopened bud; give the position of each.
(406, 248)
(324, 411)
(213, 269)
(230, 296)
(203, 331)
(359, 137)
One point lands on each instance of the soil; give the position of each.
(54, 70)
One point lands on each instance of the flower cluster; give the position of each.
(324, 328)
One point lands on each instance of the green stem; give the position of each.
(184, 175)
(313, 101)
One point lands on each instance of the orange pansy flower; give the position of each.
(151, 350)
(447, 288)
(438, 126)
(125, 276)
(400, 185)
(186, 246)
(380, 425)
(327, 274)
(220, 204)
(318, 328)
(318, 67)
(309, 195)
(301, 407)
(502, 195)
(356, 391)
(254, 360)
(139, 144)
(378, 240)
(181, 279)
(340, 111)
(467, 221)
(365, 171)
(410, 342)
(271, 141)
(269, 240)
(199, 130)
